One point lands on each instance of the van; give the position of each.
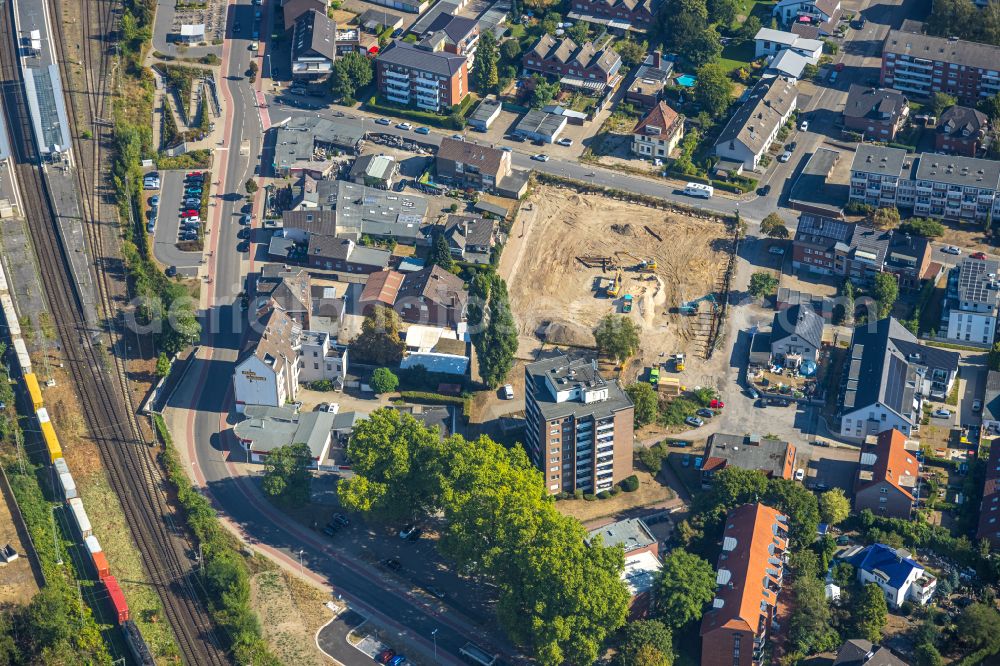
(699, 190)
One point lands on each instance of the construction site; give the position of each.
(585, 256)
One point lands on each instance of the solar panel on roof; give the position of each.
(895, 382)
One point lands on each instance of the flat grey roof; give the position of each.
(631, 534)
(813, 188)
(487, 107)
(296, 139)
(368, 210)
(958, 170)
(878, 159)
(540, 122)
(46, 105)
(576, 370)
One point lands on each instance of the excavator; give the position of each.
(644, 265)
(691, 307)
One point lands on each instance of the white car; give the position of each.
(785, 156)
(951, 249)
(508, 392)
(254, 45)
(800, 474)
(540, 157)
(804, 126)
(941, 414)
(383, 121)
(565, 142)
(404, 126)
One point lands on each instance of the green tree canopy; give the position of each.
(993, 358)
(646, 402)
(543, 92)
(941, 102)
(645, 643)
(871, 613)
(632, 52)
(750, 28)
(799, 504)
(885, 218)
(484, 73)
(440, 253)
(773, 226)
(980, 626)
(714, 89)
(379, 342)
(683, 587)
(162, 365)
(886, 291)
(617, 336)
(834, 507)
(350, 72)
(723, 12)
(495, 333)
(810, 627)
(922, 226)
(763, 283)
(286, 475)
(384, 381)
(510, 51)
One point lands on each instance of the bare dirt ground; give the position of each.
(291, 611)
(650, 492)
(17, 580)
(553, 294)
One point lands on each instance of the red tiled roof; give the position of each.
(382, 287)
(892, 462)
(661, 116)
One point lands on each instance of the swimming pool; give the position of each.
(686, 80)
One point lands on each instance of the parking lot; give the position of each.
(167, 233)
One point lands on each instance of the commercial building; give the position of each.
(989, 509)
(314, 45)
(972, 317)
(796, 336)
(887, 377)
(922, 65)
(769, 43)
(937, 186)
(875, 113)
(650, 79)
(429, 80)
(268, 428)
(467, 164)
(369, 211)
(642, 560)
(900, 577)
(578, 426)
(537, 125)
(658, 133)
(888, 475)
(618, 15)
(584, 67)
(755, 125)
(736, 630)
(191, 33)
(772, 457)
(961, 130)
(302, 145)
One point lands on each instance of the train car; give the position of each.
(34, 391)
(80, 517)
(61, 466)
(49, 435)
(10, 315)
(23, 360)
(67, 485)
(117, 598)
(97, 557)
(137, 644)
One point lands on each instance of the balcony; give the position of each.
(388, 73)
(399, 98)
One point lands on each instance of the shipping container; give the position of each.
(93, 545)
(34, 391)
(68, 486)
(117, 598)
(10, 316)
(100, 563)
(80, 517)
(61, 466)
(23, 359)
(51, 441)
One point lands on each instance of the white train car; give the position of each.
(80, 517)
(61, 466)
(10, 315)
(23, 360)
(67, 485)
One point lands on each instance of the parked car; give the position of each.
(978, 255)
(951, 249)
(540, 157)
(763, 191)
(330, 530)
(385, 656)
(245, 219)
(678, 443)
(784, 157)
(154, 200)
(707, 413)
(506, 149)
(941, 413)
(383, 121)
(791, 146)
(190, 212)
(407, 532)
(171, 271)
(341, 519)
(800, 474)
(397, 32)
(716, 404)
(977, 405)
(859, 23)
(151, 226)
(833, 76)
(508, 392)
(752, 392)
(398, 660)
(694, 421)
(422, 130)
(565, 142)
(404, 126)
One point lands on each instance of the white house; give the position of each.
(268, 428)
(754, 126)
(900, 578)
(821, 12)
(975, 299)
(321, 358)
(268, 372)
(770, 42)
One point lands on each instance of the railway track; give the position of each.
(99, 375)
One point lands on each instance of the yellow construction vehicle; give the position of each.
(679, 362)
(644, 265)
(616, 285)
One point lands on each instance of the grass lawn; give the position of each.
(736, 55)
(758, 8)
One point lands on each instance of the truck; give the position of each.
(627, 303)
(654, 376)
(678, 360)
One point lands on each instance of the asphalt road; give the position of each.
(167, 224)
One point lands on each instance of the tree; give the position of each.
(162, 365)
(510, 51)
(722, 12)
(646, 403)
(440, 254)
(251, 186)
(980, 626)
(922, 226)
(617, 336)
(809, 627)
(350, 72)
(885, 218)
(379, 342)
(632, 52)
(991, 107)
(871, 613)
(540, 5)
(830, 47)
(685, 28)
(484, 74)
(886, 291)
(714, 89)
(645, 643)
(799, 504)
(834, 507)
(543, 92)
(928, 655)
(750, 28)
(495, 338)
(993, 358)
(286, 475)
(763, 283)
(940, 102)
(384, 381)
(731, 487)
(683, 586)
(706, 47)
(810, 71)
(773, 226)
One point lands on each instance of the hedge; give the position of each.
(631, 484)
(430, 398)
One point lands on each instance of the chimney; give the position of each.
(657, 55)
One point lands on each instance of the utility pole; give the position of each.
(434, 635)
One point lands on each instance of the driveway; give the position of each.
(332, 640)
(168, 223)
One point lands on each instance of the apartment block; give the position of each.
(736, 630)
(579, 427)
(951, 187)
(972, 316)
(922, 65)
(428, 80)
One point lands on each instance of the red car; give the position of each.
(385, 656)
(978, 255)
(839, 67)
(190, 213)
(716, 404)
(193, 173)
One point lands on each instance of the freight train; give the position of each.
(21, 362)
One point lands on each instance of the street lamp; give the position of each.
(434, 636)
(300, 552)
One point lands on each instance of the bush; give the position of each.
(631, 484)
(590, 497)
(383, 381)
(577, 494)
(652, 458)
(429, 398)
(563, 495)
(615, 491)
(324, 385)
(604, 494)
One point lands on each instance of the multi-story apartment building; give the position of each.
(736, 630)
(972, 316)
(939, 186)
(468, 164)
(453, 34)
(922, 65)
(579, 427)
(429, 80)
(833, 247)
(268, 371)
(658, 133)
